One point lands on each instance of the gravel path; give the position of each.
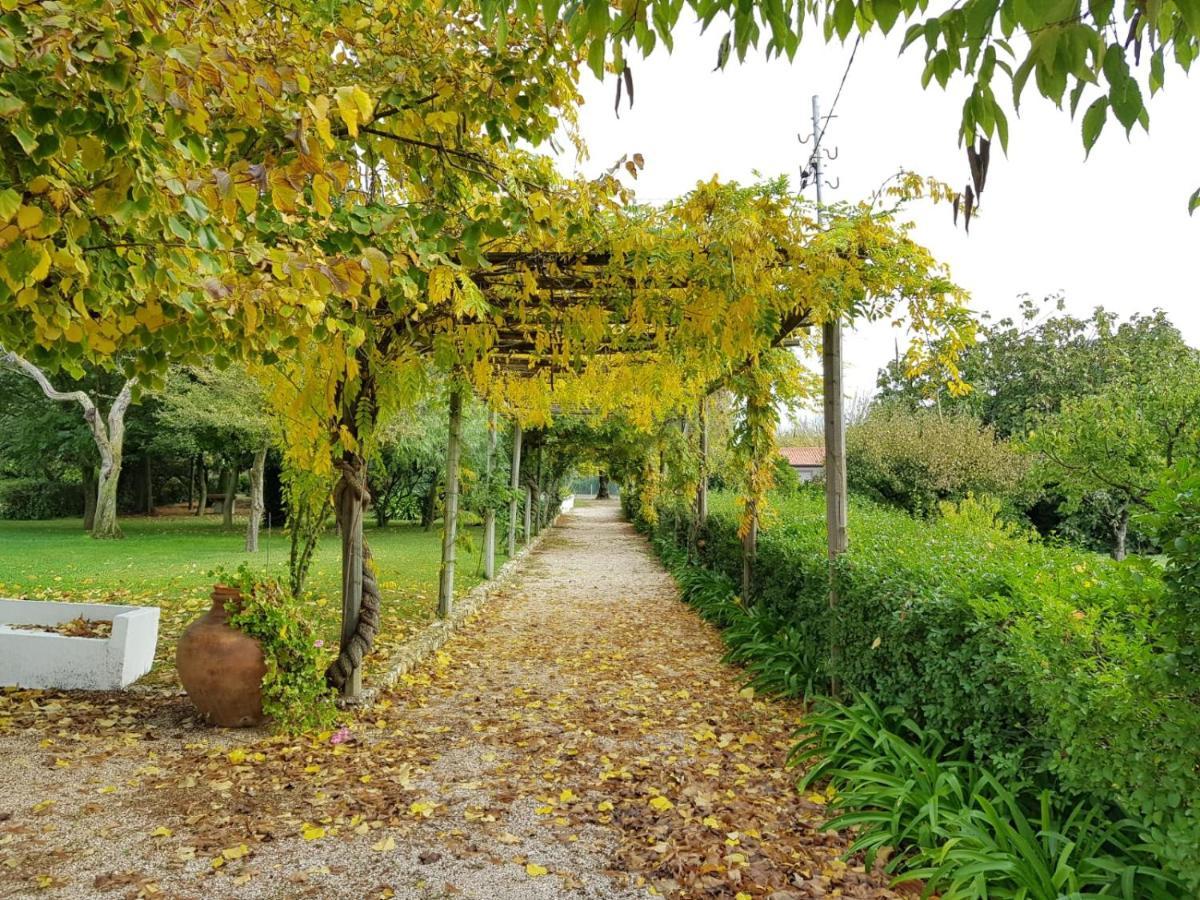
(579, 738)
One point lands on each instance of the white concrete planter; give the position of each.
(42, 659)
(568, 504)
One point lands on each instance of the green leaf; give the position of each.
(180, 230)
(886, 13)
(843, 18)
(8, 51)
(1093, 122)
(10, 202)
(596, 57)
(195, 208)
(1194, 202)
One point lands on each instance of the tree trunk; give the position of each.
(528, 513)
(191, 483)
(514, 484)
(429, 508)
(89, 497)
(1120, 530)
(230, 486)
(109, 437)
(202, 505)
(450, 519)
(602, 486)
(257, 506)
(148, 478)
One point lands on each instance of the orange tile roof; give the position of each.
(803, 456)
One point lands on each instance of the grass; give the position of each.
(166, 562)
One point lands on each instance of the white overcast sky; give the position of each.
(1113, 231)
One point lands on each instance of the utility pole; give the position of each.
(835, 417)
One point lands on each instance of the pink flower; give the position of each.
(340, 736)
(319, 643)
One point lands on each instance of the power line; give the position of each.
(838, 95)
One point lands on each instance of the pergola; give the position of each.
(531, 334)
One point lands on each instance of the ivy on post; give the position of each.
(450, 521)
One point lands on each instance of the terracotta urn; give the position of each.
(222, 668)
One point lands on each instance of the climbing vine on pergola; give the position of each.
(337, 194)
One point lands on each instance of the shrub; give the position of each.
(917, 459)
(295, 695)
(32, 498)
(1035, 661)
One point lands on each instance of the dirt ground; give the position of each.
(579, 738)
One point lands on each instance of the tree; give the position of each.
(108, 432)
(1108, 452)
(1024, 369)
(1071, 50)
(225, 412)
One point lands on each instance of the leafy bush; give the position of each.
(295, 694)
(1034, 661)
(32, 498)
(956, 825)
(917, 459)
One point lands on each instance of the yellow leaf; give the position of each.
(232, 853)
(312, 832)
(42, 268)
(662, 804)
(712, 822)
(604, 806)
(533, 870)
(161, 831)
(29, 217)
(567, 796)
(422, 808)
(320, 187)
(348, 108)
(388, 843)
(237, 757)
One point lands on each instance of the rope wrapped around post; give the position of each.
(350, 498)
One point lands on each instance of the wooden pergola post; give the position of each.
(450, 521)
(350, 517)
(527, 533)
(514, 484)
(701, 507)
(835, 464)
(489, 514)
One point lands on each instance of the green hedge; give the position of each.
(1036, 659)
(32, 498)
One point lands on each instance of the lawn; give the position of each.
(167, 562)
